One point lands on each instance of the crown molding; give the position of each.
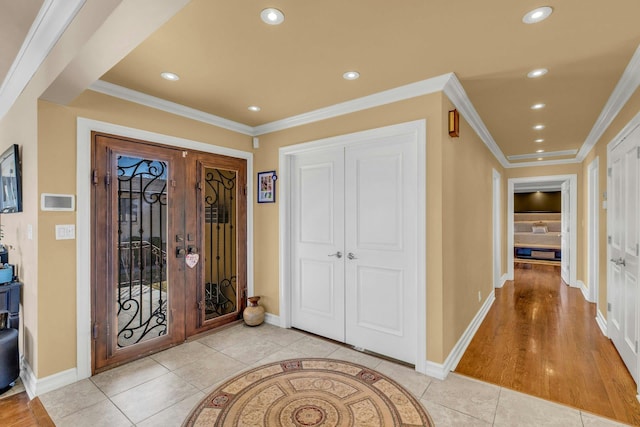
(625, 88)
(456, 93)
(170, 107)
(543, 163)
(543, 154)
(401, 93)
(52, 20)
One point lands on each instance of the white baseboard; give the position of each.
(441, 370)
(602, 322)
(585, 291)
(503, 279)
(272, 319)
(37, 386)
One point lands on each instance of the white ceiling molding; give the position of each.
(168, 106)
(543, 163)
(531, 187)
(626, 86)
(412, 90)
(456, 93)
(52, 20)
(543, 154)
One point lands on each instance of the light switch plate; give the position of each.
(65, 231)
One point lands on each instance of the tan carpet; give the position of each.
(309, 392)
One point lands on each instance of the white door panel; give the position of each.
(380, 229)
(377, 202)
(623, 249)
(379, 303)
(317, 292)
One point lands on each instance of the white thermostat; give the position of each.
(57, 202)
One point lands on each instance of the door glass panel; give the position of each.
(141, 292)
(220, 287)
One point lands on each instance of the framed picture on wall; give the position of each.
(267, 187)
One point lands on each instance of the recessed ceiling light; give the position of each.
(538, 72)
(539, 151)
(172, 77)
(539, 158)
(351, 75)
(539, 140)
(537, 15)
(254, 108)
(272, 16)
(538, 127)
(537, 106)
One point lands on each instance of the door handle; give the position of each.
(337, 255)
(192, 250)
(180, 252)
(350, 255)
(622, 262)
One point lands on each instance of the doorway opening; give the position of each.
(556, 244)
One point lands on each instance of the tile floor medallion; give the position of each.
(161, 390)
(310, 392)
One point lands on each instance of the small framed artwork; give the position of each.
(267, 187)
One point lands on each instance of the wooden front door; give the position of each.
(169, 252)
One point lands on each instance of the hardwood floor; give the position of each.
(540, 337)
(19, 411)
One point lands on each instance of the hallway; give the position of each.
(541, 338)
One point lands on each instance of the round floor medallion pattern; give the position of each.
(309, 393)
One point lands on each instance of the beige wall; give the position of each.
(630, 110)
(19, 127)
(467, 228)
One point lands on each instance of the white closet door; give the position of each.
(381, 246)
(623, 266)
(318, 242)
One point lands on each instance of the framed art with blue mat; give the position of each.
(267, 187)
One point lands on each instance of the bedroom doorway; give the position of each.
(550, 237)
(169, 251)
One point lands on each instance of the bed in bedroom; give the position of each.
(537, 237)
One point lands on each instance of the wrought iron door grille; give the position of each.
(220, 288)
(142, 277)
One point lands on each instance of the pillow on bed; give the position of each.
(539, 229)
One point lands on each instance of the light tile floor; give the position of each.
(161, 390)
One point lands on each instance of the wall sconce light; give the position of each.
(454, 124)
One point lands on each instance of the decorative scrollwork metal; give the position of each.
(220, 290)
(142, 277)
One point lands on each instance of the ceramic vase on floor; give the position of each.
(253, 314)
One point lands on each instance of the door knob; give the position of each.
(337, 255)
(350, 255)
(180, 252)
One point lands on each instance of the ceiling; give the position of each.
(228, 60)
(15, 21)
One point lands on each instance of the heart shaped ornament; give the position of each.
(192, 260)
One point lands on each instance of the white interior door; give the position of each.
(317, 292)
(354, 244)
(565, 234)
(381, 247)
(623, 250)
